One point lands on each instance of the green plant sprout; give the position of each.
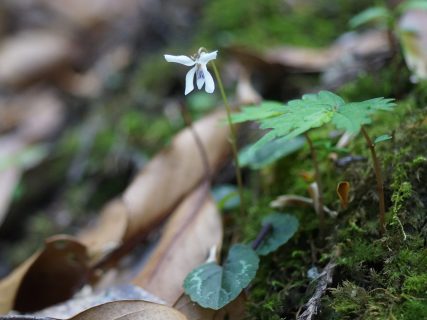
(297, 117)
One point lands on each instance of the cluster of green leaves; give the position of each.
(287, 121)
(213, 286)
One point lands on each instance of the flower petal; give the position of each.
(189, 79)
(206, 57)
(210, 84)
(187, 61)
(200, 78)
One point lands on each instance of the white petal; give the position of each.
(187, 61)
(200, 78)
(210, 84)
(206, 57)
(189, 79)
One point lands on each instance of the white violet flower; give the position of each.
(199, 61)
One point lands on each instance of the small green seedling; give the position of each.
(213, 286)
(287, 121)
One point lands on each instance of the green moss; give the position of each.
(261, 23)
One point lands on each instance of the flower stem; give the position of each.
(319, 208)
(378, 175)
(233, 138)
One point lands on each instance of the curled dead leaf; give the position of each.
(130, 310)
(290, 200)
(160, 186)
(31, 54)
(343, 191)
(59, 269)
(194, 228)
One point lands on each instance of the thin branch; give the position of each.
(313, 305)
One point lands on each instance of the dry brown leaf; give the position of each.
(109, 231)
(235, 310)
(343, 191)
(160, 186)
(245, 92)
(88, 13)
(174, 172)
(290, 200)
(32, 54)
(130, 310)
(192, 310)
(194, 227)
(57, 271)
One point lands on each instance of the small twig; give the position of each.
(379, 178)
(318, 178)
(313, 305)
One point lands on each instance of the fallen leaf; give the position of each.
(29, 55)
(291, 200)
(343, 190)
(194, 227)
(130, 310)
(159, 187)
(90, 13)
(245, 92)
(59, 269)
(174, 172)
(86, 299)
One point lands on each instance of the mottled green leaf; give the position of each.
(283, 226)
(213, 286)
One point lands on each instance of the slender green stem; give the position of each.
(233, 138)
(319, 209)
(379, 177)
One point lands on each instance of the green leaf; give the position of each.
(373, 14)
(256, 158)
(412, 5)
(284, 227)
(382, 138)
(226, 196)
(312, 111)
(213, 286)
(264, 110)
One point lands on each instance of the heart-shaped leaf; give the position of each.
(213, 286)
(283, 227)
